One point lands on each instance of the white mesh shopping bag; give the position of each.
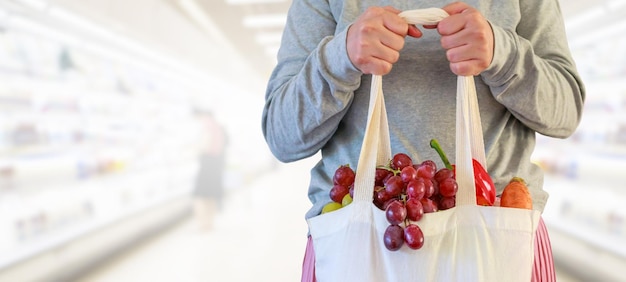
(466, 243)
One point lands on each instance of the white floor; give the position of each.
(259, 236)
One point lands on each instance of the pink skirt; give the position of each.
(543, 269)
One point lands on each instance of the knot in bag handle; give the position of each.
(376, 147)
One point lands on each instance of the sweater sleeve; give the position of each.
(533, 73)
(312, 86)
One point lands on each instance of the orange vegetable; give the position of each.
(516, 195)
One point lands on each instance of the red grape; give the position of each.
(430, 163)
(435, 186)
(344, 175)
(382, 174)
(394, 186)
(414, 209)
(400, 160)
(429, 205)
(443, 174)
(395, 212)
(338, 192)
(448, 187)
(429, 187)
(447, 203)
(415, 189)
(381, 197)
(393, 237)
(426, 171)
(413, 236)
(408, 173)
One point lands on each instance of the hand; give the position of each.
(468, 39)
(375, 39)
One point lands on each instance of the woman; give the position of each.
(526, 80)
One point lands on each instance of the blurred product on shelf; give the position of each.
(82, 142)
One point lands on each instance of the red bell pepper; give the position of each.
(485, 189)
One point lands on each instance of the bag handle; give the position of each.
(376, 146)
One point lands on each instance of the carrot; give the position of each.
(516, 195)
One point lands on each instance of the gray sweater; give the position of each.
(317, 100)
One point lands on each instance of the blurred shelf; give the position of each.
(82, 139)
(68, 255)
(586, 221)
(595, 218)
(584, 261)
(56, 217)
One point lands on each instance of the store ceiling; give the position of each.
(258, 42)
(254, 27)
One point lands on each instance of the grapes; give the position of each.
(448, 187)
(405, 192)
(429, 205)
(381, 197)
(393, 237)
(382, 175)
(426, 170)
(395, 212)
(347, 199)
(430, 163)
(429, 187)
(414, 209)
(408, 174)
(413, 236)
(338, 192)
(332, 206)
(443, 174)
(394, 186)
(447, 203)
(400, 160)
(416, 189)
(344, 176)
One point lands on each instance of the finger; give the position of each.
(477, 37)
(465, 68)
(396, 24)
(451, 24)
(386, 54)
(460, 53)
(377, 67)
(367, 54)
(392, 9)
(451, 41)
(392, 40)
(414, 31)
(469, 57)
(456, 8)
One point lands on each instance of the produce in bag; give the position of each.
(516, 195)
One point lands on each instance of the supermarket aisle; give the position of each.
(259, 236)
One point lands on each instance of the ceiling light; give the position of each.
(245, 2)
(199, 16)
(37, 4)
(265, 21)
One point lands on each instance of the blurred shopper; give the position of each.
(209, 184)
(526, 80)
